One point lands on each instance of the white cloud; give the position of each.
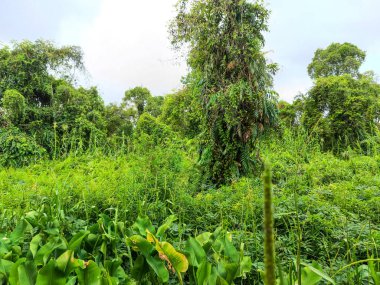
(127, 45)
(299, 27)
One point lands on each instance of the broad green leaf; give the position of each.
(32, 217)
(138, 243)
(167, 224)
(72, 280)
(204, 273)
(196, 253)
(318, 271)
(4, 247)
(308, 277)
(91, 238)
(91, 275)
(114, 269)
(175, 259)
(77, 239)
(245, 266)
(5, 267)
(229, 250)
(151, 238)
(50, 275)
(44, 252)
(228, 271)
(13, 273)
(107, 280)
(34, 244)
(140, 268)
(67, 263)
(52, 232)
(203, 238)
(64, 260)
(207, 240)
(142, 224)
(103, 248)
(27, 273)
(19, 232)
(112, 265)
(176, 262)
(220, 280)
(214, 278)
(158, 267)
(372, 269)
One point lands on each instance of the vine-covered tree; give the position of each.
(28, 67)
(232, 76)
(118, 120)
(342, 107)
(342, 110)
(290, 114)
(182, 112)
(336, 59)
(137, 98)
(38, 97)
(154, 105)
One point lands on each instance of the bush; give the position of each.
(150, 132)
(18, 149)
(14, 106)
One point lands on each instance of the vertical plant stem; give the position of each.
(299, 239)
(269, 250)
(301, 149)
(55, 140)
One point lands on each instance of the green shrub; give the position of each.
(150, 132)
(14, 106)
(18, 149)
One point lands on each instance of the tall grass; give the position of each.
(269, 248)
(327, 207)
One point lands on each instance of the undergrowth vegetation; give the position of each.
(326, 209)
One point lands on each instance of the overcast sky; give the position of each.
(125, 42)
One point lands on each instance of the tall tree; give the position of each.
(37, 96)
(232, 77)
(290, 113)
(336, 59)
(28, 67)
(182, 112)
(118, 120)
(343, 106)
(342, 110)
(154, 105)
(137, 98)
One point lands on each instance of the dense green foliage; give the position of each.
(342, 108)
(162, 189)
(337, 59)
(38, 98)
(18, 149)
(182, 111)
(14, 106)
(138, 98)
(28, 68)
(343, 111)
(338, 201)
(233, 77)
(53, 242)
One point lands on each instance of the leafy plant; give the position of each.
(160, 256)
(232, 78)
(213, 259)
(18, 149)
